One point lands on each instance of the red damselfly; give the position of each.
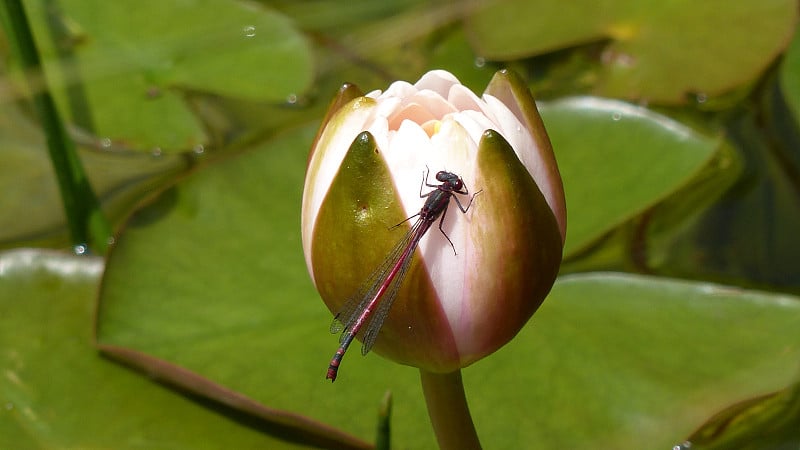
(368, 308)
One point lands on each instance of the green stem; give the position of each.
(448, 410)
(383, 439)
(86, 222)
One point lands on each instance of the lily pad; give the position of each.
(136, 61)
(210, 278)
(56, 391)
(622, 361)
(617, 159)
(656, 51)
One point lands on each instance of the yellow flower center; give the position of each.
(432, 127)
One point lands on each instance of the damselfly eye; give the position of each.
(443, 176)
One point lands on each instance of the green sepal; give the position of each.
(524, 258)
(511, 90)
(351, 235)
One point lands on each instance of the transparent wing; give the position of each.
(348, 315)
(379, 316)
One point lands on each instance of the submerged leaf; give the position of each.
(660, 51)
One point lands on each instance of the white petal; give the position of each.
(406, 155)
(433, 102)
(464, 99)
(380, 131)
(525, 147)
(399, 89)
(387, 106)
(410, 111)
(475, 123)
(509, 126)
(437, 80)
(455, 152)
(456, 144)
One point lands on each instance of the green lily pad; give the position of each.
(657, 51)
(136, 61)
(210, 277)
(56, 391)
(617, 159)
(636, 362)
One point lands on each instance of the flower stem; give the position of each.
(448, 410)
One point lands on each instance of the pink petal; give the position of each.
(437, 80)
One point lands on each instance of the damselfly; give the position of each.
(368, 308)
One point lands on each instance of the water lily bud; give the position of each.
(459, 302)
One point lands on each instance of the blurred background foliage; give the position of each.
(676, 126)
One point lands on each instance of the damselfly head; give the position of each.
(451, 180)
(445, 176)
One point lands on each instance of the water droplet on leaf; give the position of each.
(701, 98)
